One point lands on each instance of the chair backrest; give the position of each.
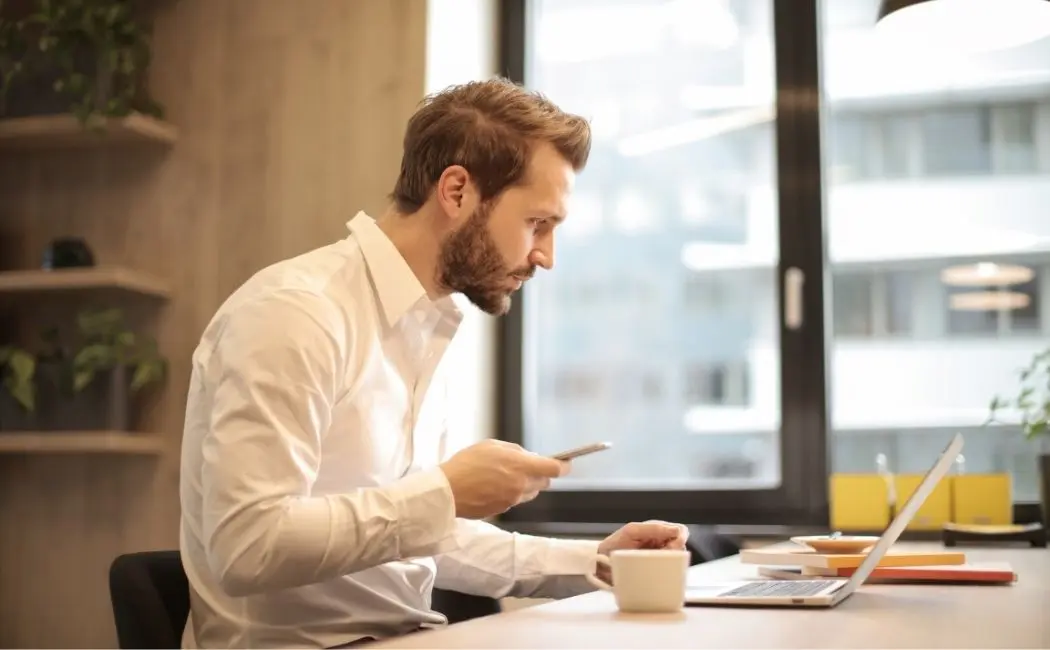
(707, 545)
(151, 599)
(458, 607)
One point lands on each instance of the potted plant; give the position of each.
(1031, 408)
(88, 57)
(110, 365)
(18, 398)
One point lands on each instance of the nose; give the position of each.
(543, 255)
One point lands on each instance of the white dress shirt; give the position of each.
(313, 510)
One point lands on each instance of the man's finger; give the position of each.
(539, 484)
(657, 530)
(544, 467)
(528, 496)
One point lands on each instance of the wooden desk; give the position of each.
(876, 616)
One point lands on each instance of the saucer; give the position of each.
(838, 544)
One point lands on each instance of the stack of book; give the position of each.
(896, 566)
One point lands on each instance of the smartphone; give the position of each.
(582, 451)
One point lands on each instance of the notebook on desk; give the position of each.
(829, 591)
(976, 573)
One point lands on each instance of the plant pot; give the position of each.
(103, 405)
(34, 94)
(14, 417)
(54, 389)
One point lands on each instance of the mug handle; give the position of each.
(594, 579)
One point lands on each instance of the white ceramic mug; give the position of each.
(646, 580)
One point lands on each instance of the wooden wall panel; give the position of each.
(290, 115)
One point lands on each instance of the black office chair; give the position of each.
(151, 599)
(706, 544)
(458, 607)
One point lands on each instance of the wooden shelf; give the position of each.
(80, 442)
(64, 131)
(80, 279)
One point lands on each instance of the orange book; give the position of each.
(985, 572)
(808, 558)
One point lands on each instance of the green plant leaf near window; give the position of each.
(18, 368)
(107, 343)
(1031, 403)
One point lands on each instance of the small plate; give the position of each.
(839, 544)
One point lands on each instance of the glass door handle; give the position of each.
(794, 279)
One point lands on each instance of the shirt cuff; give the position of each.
(570, 557)
(426, 513)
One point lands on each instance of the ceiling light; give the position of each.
(963, 25)
(986, 274)
(989, 301)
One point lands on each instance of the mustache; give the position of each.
(525, 273)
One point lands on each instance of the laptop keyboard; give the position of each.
(792, 588)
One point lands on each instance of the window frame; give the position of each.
(802, 497)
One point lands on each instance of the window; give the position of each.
(717, 384)
(910, 202)
(933, 142)
(688, 149)
(874, 304)
(960, 242)
(956, 141)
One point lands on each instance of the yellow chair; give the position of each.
(858, 502)
(983, 499)
(935, 511)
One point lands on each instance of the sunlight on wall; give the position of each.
(461, 46)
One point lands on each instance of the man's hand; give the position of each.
(493, 476)
(647, 534)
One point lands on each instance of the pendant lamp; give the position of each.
(963, 26)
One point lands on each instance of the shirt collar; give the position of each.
(397, 287)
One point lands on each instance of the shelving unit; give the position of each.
(80, 279)
(64, 131)
(81, 442)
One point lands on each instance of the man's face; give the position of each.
(503, 241)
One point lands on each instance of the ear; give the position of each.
(455, 192)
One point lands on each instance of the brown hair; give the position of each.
(489, 127)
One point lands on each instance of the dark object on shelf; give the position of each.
(68, 253)
(1032, 534)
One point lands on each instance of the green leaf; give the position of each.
(81, 379)
(97, 356)
(126, 339)
(23, 393)
(22, 366)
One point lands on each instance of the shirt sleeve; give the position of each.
(273, 378)
(497, 563)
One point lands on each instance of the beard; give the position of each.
(470, 263)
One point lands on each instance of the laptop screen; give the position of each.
(905, 514)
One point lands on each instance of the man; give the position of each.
(319, 508)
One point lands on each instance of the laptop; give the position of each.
(824, 592)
